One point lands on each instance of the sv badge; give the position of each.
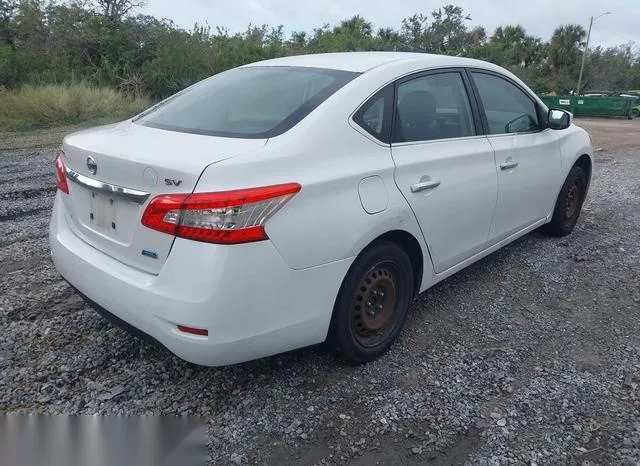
(170, 182)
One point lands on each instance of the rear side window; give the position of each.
(434, 106)
(508, 108)
(253, 102)
(375, 115)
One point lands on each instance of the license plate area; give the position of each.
(103, 213)
(105, 219)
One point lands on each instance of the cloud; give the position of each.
(335, 10)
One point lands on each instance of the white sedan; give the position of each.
(308, 199)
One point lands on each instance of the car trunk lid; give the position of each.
(113, 173)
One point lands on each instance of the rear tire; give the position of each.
(372, 304)
(568, 205)
(635, 113)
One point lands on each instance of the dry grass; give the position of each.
(41, 138)
(52, 105)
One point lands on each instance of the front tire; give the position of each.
(568, 205)
(372, 303)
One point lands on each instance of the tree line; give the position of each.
(104, 42)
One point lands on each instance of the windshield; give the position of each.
(252, 102)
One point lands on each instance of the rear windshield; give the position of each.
(253, 102)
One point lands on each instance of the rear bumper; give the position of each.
(250, 301)
(117, 321)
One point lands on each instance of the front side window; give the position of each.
(507, 108)
(435, 106)
(252, 102)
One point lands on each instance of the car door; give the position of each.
(527, 154)
(445, 167)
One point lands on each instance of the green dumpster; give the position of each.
(635, 111)
(611, 106)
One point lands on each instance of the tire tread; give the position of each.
(339, 340)
(558, 226)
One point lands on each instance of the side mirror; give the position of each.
(559, 119)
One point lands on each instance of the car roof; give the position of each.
(361, 62)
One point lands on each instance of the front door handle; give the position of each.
(508, 164)
(424, 184)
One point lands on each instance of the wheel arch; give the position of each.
(584, 162)
(576, 149)
(412, 247)
(410, 244)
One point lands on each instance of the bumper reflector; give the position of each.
(195, 331)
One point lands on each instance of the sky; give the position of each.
(539, 17)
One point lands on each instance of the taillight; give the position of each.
(61, 174)
(227, 217)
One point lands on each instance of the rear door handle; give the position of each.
(508, 165)
(424, 184)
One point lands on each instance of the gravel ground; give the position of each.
(530, 356)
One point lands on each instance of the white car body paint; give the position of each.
(263, 298)
(465, 169)
(124, 152)
(528, 191)
(373, 194)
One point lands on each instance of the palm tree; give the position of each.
(530, 51)
(356, 27)
(388, 39)
(565, 46)
(508, 36)
(352, 34)
(515, 47)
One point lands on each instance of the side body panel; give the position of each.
(455, 216)
(527, 191)
(574, 143)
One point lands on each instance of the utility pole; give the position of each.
(586, 49)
